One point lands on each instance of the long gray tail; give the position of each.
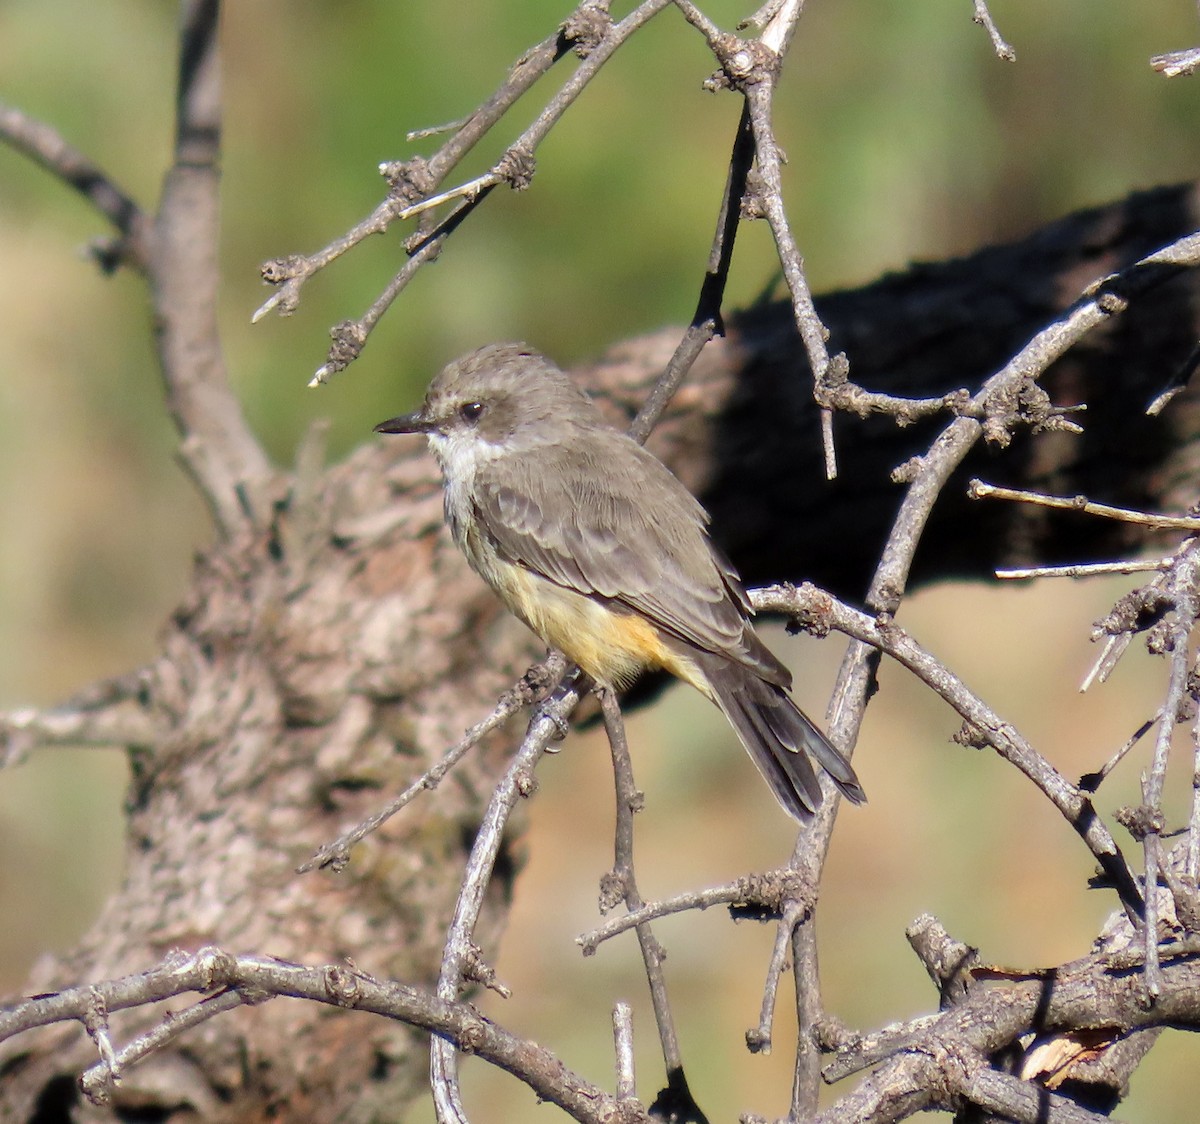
(780, 738)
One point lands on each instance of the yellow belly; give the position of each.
(610, 645)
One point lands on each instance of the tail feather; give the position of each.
(780, 738)
(790, 774)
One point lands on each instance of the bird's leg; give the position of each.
(570, 678)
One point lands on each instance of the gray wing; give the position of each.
(600, 515)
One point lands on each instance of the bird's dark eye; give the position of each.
(471, 412)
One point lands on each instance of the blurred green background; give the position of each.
(907, 139)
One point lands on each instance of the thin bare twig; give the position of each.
(1175, 385)
(108, 713)
(98, 1081)
(1086, 569)
(1135, 612)
(414, 181)
(759, 1039)
(350, 336)
(522, 693)
(45, 146)
(707, 319)
(1174, 64)
(795, 932)
(813, 333)
(1090, 782)
(978, 490)
(623, 1050)
(1114, 648)
(763, 16)
(984, 18)
(755, 68)
(754, 892)
(1181, 588)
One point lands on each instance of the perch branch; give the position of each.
(459, 948)
(675, 1101)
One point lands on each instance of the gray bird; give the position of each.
(599, 549)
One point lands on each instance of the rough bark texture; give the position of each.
(319, 662)
(312, 667)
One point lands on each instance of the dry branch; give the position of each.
(228, 981)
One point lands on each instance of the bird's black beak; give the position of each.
(416, 422)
